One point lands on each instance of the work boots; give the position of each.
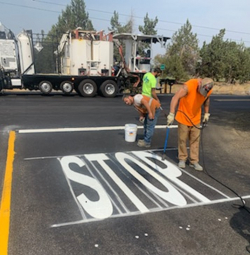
(142, 143)
(196, 166)
(182, 164)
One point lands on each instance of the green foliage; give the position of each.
(220, 59)
(243, 74)
(213, 57)
(224, 59)
(182, 53)
(72, 17)
(173, 67)
(149, 26)
(185, 46)
(116, 26)
(147, 29)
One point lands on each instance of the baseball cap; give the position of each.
(206, 85)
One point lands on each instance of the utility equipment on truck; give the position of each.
(86, 60)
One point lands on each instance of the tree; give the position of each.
(72, 17)
(182, 54)
(147, 29)
(149, 26)
(243, 74)
(224, 59)
(231, 61)
(213, 57)
(185, 46)
(116, 26)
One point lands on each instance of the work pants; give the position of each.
(149, 126)
(192, 134)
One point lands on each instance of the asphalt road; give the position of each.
(77, 187)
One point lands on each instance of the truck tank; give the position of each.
(88, 51)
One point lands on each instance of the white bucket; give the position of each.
(130, 132)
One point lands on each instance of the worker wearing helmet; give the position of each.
(191, 97)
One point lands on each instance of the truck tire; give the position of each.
(109, 88)
(87, 88)
(45, 87)
(66, 87)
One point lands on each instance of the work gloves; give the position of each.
(206, 117)
(142, 119)
(170, 119)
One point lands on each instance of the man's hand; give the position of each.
(141, 119)
(170, 119)
(150, 116)
(206, 117)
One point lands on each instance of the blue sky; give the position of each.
(206, 17)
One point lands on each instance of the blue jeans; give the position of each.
(149, 126)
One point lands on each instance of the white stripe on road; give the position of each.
(85, 129)
(232, 100)
(79, 155)
(223, 200)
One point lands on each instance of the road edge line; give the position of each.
(83, 129)
(6, 196)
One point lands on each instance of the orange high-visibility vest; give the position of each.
(153, 104)
(191, 104)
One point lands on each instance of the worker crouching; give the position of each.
(149, 110)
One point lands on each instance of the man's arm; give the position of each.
(145, 103)
(206, 110)
(178, 95)
(175, 99)
(206, 105)
(154, 95)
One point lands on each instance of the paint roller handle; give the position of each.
(166, 140)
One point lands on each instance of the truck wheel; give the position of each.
(87, 88)
(45, 87)
(66, 87)
(109, 88)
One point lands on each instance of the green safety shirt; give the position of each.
(149, 82)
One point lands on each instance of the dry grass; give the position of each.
(220, 88)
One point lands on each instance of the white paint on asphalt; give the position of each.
(132, 183)
(84, 129)
(232, 100)
(166, 209)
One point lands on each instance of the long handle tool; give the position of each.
(165, 145)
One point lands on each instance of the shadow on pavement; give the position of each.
(240, 223)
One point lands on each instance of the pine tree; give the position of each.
(72, 17)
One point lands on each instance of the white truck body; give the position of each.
(87, 50)
(86, 60)
(25, 53)
(8, 57)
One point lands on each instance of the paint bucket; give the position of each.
(130, 132)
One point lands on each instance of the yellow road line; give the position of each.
(6, 197)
